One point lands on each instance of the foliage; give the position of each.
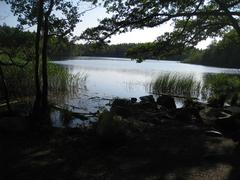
(61, 81)
(20, 81)
(193, 56)
(142, 51)
(193, 22)
(224, 53)
(193, 19)
(27, 10)
(20, 44)
(111, 128)
(12, 38)
(53, 18)
(217, 85)
(173, 84)
(15, 45)
(62, 47)
(118, 50)
(212, 87)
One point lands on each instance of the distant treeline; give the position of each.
(18, 40)
(224, 53)
(118, 50)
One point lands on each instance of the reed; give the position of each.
(20, 81)
(174, 84)
(60, 80)
(216, 85)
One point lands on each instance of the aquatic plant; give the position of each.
(175, 84)
(20, 81)
(221, 85)
(60, 80)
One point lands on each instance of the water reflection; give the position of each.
(117, 77)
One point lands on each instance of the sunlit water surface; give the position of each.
(108, 78)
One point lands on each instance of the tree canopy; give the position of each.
(53, 18)
(224, 53)
(194, 20)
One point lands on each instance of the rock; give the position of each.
(133, 100)
(147, 99)
(123, 111)
(210, 115)
(213, 133)
(225, 120)
(121, 107)
(121, 102)
(183, 114)
(217, 101)
(234, 110)
(166, 101)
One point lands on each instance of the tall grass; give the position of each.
(212, 86)
(60, 80)
(20, 81)
(216, 85)
(174, 84)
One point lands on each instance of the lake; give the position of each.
(108, 78)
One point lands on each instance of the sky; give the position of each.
(92, 18)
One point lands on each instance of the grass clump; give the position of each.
(20, 81)
(222, 85)
(60, 80)
(173, 84)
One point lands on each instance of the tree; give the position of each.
(53, 18)
(194, 20)
(14, 44)
(224, 53)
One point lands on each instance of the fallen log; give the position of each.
(82, 116)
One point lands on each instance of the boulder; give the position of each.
(212, 116)
(147, 99)
(123, 111)
(121, 107)
(121, 102)
(166, 101)
(133, 100)
(183, 114)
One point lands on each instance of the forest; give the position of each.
(222, 53)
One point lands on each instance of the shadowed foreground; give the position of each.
(150, 147)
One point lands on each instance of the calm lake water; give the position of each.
(108, 78)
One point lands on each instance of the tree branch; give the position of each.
(12, 62)
(224, 7)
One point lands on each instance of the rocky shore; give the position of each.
(150, 139)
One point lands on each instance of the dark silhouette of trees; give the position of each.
(14, 44)
(224, 53)
(43, 13)
(193, 20)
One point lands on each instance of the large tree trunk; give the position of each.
(45, 107)
(37, 103)
(44, 104)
